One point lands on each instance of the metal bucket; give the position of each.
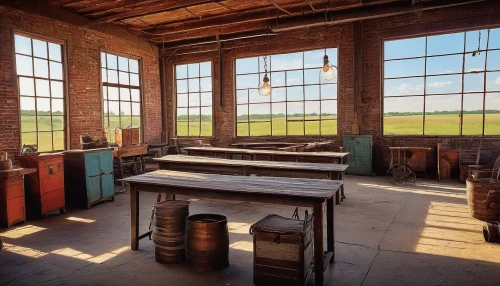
(207, 242)
(168, 224)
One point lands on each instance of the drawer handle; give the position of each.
(51, 170)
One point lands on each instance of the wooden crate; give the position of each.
(283, 251)
(126, 136)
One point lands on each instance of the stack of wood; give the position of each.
(89, 142)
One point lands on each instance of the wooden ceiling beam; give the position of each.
(62, 2)
(111, 7)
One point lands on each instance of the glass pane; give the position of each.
(277, 79)
(194, 85)
(329, 91)
(403, 68)
(332, 56)
(27, 105)
(182, 128)
(492, 114)
(44, 141)
(494, 42)
(103, 60)
(242, 96)
(28, 124)
(472, 42)
(242, 129)
(136, 121)
(444, 84)
(124, 94)
(182, 100)
(193, 70)
(123, 64)
(114, 111)
(123, 78)
(125, 121)
(311, 76)
(475, 63)
(404, 48)
(405, 86)
(260, 111)
(24, 65)
(473, 114)
(314, 59)
(28, 138)
(134, 79)
(125, 109)
(445, 44)
(104, 76)
(105, 92)
(23, 45)
(206, 121)
(57, 106)
(56, 70)
(44, 123)
(206, 84)
(312, 92)
(181, 71)
(194, 128)
(474, 82)
(329, 127)
(58, 140)
(206, 99)
(493, 60)
(279, 118)
(56, 88)
(206, 69)
(112, 76)
(312, 127)
(294, 78)
(39, 49)
(105, 110)
(43, 106)
(260, 128)
(112, 61)
(442, 114)
(312, 110)
(247, 81)
(58, 122)
(493, 81)
(26, 86)
(254, 96)
(182, 86)
(135, 95)
(328, 109)
(41, 68)
(42, 87)
(444, 65)
(55, 52)
(136, 108)
(295, 110)
(403, 115)
(133, 65)
(194, 99)
(278, 94)
(286, 62)
(242, 113)
(295, 127)
(295, 93)
(112, 93)
(248, 65)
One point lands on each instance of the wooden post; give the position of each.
(330, 222)
(134, 218)
(318, 243)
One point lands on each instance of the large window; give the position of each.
(121, 93)
(443, 85)
(41, 81)
(299, 103)
(194, 99)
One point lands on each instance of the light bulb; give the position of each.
(328, 72)
(265, 87)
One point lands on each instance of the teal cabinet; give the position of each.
(89, 176)
(360, 154)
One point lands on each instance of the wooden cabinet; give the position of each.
(12, 207)
(45, 188)
(88, 176)
(359, 159)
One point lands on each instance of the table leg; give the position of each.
(330, 232)
(318, 244)
(134, 218)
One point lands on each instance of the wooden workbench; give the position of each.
(132, 155)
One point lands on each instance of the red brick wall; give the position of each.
(83, 46)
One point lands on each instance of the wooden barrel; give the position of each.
(169, 223)
(477, 193)
(207, 242)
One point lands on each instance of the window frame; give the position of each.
(175, 95)
(462, 74)
(65, 89)
(286, 101)
(118, 85)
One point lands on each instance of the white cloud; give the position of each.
(475, 69)
(419, 87)
(497, 81)
(440, 83)
(286, 65)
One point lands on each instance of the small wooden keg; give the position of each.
(169, 222)
(477, 193)
(207, 242)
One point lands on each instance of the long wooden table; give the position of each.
(269, 155)
(310, 193)
(262, 168)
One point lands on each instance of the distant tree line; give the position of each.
(33, 112)
(185, 117)
(453, 112)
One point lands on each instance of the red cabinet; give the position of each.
(12, 207)
(45, 188)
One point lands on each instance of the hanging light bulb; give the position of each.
(328, 71)
(265, 87)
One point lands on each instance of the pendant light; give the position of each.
(265, 87)
(328, 72)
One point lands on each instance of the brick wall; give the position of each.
(83, 47)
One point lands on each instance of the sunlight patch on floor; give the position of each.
(22, 231)
(24, 251)
(79, 219)
(415, 190)
(242, 245)
(73, 253)
(238, 227)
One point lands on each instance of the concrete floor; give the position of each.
(385, 235)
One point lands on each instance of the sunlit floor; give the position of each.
(385, 235)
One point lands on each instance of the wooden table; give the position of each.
(269, 155)
(132, 155)
(263, 168)
(416, 163)
(283, 191)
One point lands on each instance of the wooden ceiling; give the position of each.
(170, 21)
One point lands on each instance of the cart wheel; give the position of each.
(62, 210)
(490, 233)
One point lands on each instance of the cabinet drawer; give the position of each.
(50, 183)
(15, 188)
(52, 201)
(51, 167)
(15, 210)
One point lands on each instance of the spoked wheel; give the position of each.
(395, 175)
(411, 177)
(390, 174)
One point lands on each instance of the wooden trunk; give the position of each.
(477, 193)
(12, 209)
(45, 188)
(127, 136)
(283, 251)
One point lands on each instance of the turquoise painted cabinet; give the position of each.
(360, 154)
(89, 176)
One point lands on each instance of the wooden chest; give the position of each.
(283, 251)
(126, 136)
(12, 207)
(45, 188)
